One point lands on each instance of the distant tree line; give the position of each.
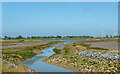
(42, 37)
(110, 36)
(18, 37)
(78, 37)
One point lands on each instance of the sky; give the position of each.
(59, 18)
(60, 0)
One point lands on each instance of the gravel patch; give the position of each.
(99, 54)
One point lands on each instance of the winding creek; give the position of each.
(36, 64)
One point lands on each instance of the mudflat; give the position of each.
(110, 45)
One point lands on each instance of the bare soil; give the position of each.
(110, 45)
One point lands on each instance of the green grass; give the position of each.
(24, 54)
(66, 50)
(57, 51)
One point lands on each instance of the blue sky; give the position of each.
(59, 18)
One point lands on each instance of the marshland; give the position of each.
(60, 37)
(82, 54)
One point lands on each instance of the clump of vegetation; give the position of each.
(66, 50)
(57, 51)
(16, 57)
(23, 54)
